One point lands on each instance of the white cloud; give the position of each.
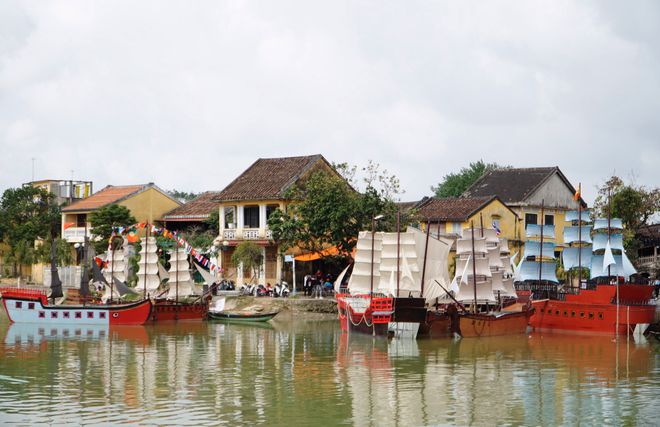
(187, 95)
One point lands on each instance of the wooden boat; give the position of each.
(241, 316)
(168, 310)
(598, 305)
(31, 306)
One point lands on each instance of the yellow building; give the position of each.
(147, 203)
(247, 202)
(524, 190)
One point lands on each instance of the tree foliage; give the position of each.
(327, 210)
(250, 256)
(635, 205)
(104, 220)
(27, 214)
(182, 196)
(455, 183)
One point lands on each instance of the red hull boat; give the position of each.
(364, 314)
(596, 311)
(167, 310)
(31, 306)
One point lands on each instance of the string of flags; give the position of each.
(132, 237)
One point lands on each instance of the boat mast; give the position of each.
(579, 238)
(398, 249)
(426, 250)
(146, 256)
(474, 269)
(373, 235)
(84, 278)
(112, 266)
(541, 246)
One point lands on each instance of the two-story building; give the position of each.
(147, 203)
(524, 190)
(65, 191)
(248, 201)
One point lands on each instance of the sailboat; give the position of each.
(173, 306)
(31, 306)
(606, 302)
(484, 288)
(393, 278)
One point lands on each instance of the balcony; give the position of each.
(75, 234)
(247, 234)
(648, 261)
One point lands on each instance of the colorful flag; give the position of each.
(497, 229)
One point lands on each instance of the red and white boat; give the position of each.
(594, 305)
(31, 306)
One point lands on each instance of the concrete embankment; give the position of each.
(310, 308)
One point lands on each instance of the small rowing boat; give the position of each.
(241, 316)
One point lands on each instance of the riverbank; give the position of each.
(298, 307)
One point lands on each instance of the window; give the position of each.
(456, 228)
(549, 220)
(65, 314)
(496, 223)
(78, 315)
(30, 306)
(565, 313)
(531, 219)
(230, 216)
(81, 219)
(19, 304)
(270, 209)
(102, 315)
(557, 312)
(42, 314)
(251, 217)
(53, 314)
(600, 316)
(582, 314)
(90, 314)
(591, 316)
(573, 313)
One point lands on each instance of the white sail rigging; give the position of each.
(180, 282)
(147, 273)
(364, 270)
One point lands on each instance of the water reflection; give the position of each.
(300, 373)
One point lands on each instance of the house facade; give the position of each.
(147, 203)
(524, 190)
(196, 212)
(248, 201)
(65, 191)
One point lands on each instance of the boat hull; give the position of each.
(23, 306)
(490, 325)
(596, 310)
(241, 317)
(170, 311)
(363, 314)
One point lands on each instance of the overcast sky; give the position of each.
(188, 94)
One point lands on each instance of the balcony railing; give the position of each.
(75, 234)
(247, 234)
(649, 260)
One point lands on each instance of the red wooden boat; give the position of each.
(168, 310)
(364, 313)
(596, 310)
(31, 306)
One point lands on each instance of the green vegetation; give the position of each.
(635, 205)
(327, 210)
(104, 220)
(454, 184)
(249, 255)
(27, 214)
(182, 196)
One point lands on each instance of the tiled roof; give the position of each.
(106, 196)
(195, 210)
(511, 185)
(451, 209)
(268, 178)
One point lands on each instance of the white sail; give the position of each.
(572, 259)
(409, 264)
(209, 278)
(503, 285)
(437, 263)
(338, 282)
(147, 273)
(363, 269)
(495, 259)
(116, 264)
(481, 267)
(180, 282)
(464, 245)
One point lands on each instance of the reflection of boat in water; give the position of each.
(27, 334)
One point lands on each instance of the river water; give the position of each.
(309, 373)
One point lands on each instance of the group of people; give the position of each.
(315, 285)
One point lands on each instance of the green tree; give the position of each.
(27, 214)
(455, 183)
(635, 205)
(182, 196)
(213, 222)
(248, 254)
(326, 209)
(104, 220)
(62, 251)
